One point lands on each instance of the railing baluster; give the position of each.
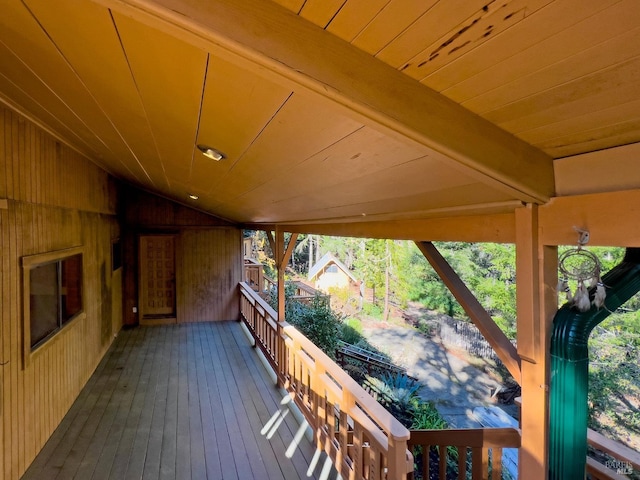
(442, 471)
(476, 463)
(496, 463)
(462, 463)
(318, 384)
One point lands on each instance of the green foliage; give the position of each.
(351, 331)
(315, 320)
(398, 394)
(372, 310)
(614, 375)
(370, 263)
(427, 417)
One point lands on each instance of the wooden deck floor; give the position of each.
(176, 402)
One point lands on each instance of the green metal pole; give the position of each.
(570, 370)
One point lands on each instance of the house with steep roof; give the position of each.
(329, 272)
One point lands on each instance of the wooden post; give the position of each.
(478, 315)
(537, 302)
(282, 256)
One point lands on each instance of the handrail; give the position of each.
(486, 446)
(357, 433)
(625, 459)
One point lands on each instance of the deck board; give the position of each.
(175, 402)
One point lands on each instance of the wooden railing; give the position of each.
(445, 453)
(304, 293)
(362, 439)
(253, 274)
(625, 460)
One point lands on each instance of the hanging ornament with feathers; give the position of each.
(600, 296)
(581, 298)
(580, 265)
(563, 288)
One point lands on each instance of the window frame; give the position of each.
(30, 262)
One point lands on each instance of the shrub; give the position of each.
(314, 320)
(351, 331)
(398, 394)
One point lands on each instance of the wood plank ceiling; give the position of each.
(329, 111)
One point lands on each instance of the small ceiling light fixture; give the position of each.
(193, 196)
(211, 153)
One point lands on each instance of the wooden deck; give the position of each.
(177, 402)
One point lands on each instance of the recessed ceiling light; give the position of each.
(193, 197)
(211, 153)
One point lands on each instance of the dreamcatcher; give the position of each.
(581, 266)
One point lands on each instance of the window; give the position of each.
(52, 295)
(333, 268)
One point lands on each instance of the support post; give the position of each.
(537, 302)
(478, 315)
(282, 254)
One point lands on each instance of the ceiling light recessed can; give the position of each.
(193, 196)
(211, 152)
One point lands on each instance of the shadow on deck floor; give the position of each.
(179, 402)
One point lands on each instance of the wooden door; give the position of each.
(157, 278)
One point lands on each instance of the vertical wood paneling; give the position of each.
(208, 257)
(210, 267)
(56, 199)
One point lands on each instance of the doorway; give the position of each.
(157, 285)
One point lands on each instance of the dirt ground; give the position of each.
(455, 383)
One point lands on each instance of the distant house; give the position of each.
(330, 272)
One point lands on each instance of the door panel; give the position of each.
(157, 276)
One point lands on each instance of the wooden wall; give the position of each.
(51, 198)
(209, 257)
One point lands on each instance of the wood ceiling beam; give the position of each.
(497, 228)
(611, 219)
(274, 42)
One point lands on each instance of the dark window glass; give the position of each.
(43, 290)
(55, 296)
(71, 287)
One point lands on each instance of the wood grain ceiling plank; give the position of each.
(574, 109)
(100, 51)
(533, 29)
(418, 176)
(488, 22)
(236, 107)
(293, 5)
(608, 80)
(354, 16)
(581, 123)
(597, 29)
(27, 40)
(169, 75)
(433, 25)
(321, 207)
(362, 153)
(395, 18)
(320, 12)
(17, 98)
(302, 128)
(26, 93)
(608, 136)
(259, 35)
(597, 61)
